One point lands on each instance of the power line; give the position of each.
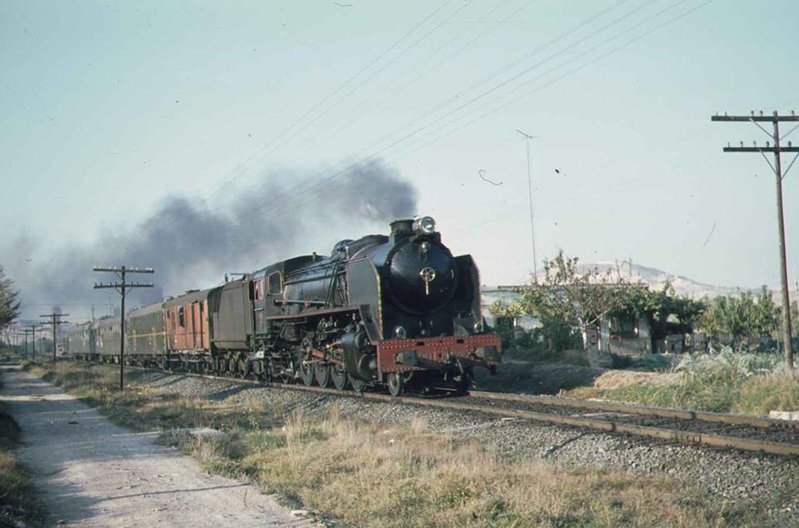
(301, 190)
(384, 67)
(268, 147)
(315, 186)
(775, 119)
(357, 112)
(311, 185)
(568, 73)
(474, 86)
(373, 156)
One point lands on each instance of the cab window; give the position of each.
(275, 285)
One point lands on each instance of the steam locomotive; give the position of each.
(397, 311)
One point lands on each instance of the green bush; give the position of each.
(729, 365)
(724, 382)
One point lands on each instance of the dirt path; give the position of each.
(92, 473)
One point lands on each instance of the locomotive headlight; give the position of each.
(400, 333)
(425, 225)
(478, 326)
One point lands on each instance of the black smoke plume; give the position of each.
(192, 243)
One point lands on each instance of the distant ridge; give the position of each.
(654, 278)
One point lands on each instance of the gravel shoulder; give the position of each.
(91, 473)
(731, 477)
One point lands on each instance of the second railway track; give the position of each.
(728, 431)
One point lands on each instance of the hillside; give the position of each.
(635, 273)
(656, 279)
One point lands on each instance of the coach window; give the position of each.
(275, 283)
(181, 319)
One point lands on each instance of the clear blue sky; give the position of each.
(109, 107)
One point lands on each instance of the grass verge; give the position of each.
(17, 495)
(756, 395)
(371, 476)
(726, 382)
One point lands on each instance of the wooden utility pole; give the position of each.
(775, 119)
(55, 320)
(122, 287)
(27, 332)
(33, 331)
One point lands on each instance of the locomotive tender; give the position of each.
(398, 311)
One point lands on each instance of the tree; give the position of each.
(745, 316)
(557, 334)
(568, 301)
(9, 305)
(662, 307)
(500, 308)
(577, 299)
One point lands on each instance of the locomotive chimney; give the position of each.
(401, 229)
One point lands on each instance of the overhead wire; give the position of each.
(393, 83)
(636, 178)
(374, 74)
(373, 157)
(266, 148)
(301, 188)
(577, 68)
(524, 72)
(457, 98)
(313, 184)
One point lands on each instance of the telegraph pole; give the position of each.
(26, 332)
(528, 137)
(33, 331)
(55, 320)
(122, 287)
(775, 119)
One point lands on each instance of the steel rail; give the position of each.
(627, 408)
(599, 424)
(611, 426)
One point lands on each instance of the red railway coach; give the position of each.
(187, 328)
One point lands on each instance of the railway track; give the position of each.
(732, 431)
(728, 431)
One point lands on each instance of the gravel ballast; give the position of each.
(725, 474)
